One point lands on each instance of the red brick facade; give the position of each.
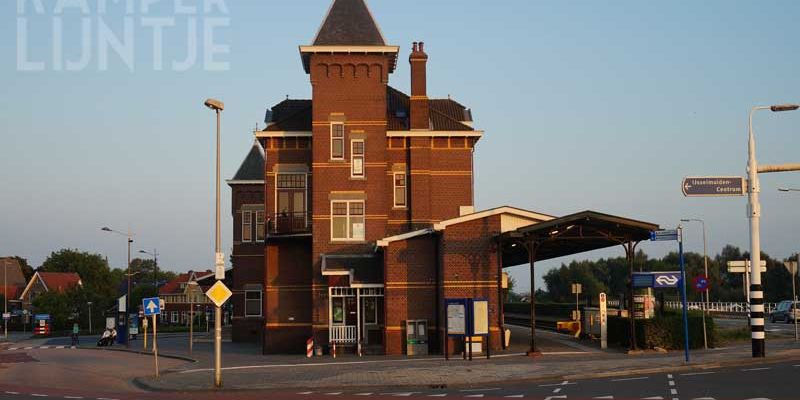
(332, 211)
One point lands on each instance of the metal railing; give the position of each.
(719, 307)
(289, 223)
(343, 333)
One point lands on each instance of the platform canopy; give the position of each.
(572, 234)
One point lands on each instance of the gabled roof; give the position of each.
(59, 282)
(174, 286)
(533, 217)
(14, 275)
(252, 168)
(349, 23)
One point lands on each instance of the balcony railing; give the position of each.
(343, 333)
(289, 223)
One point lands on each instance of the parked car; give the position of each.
(784, 312)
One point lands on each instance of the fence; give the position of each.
(718, 307)
(343, 334)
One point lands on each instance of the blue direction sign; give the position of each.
(664, 235)
(714, 186)
(151, 306)
(666, 279)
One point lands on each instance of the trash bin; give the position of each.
(417, 337)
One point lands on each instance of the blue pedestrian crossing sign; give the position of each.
(151, 306)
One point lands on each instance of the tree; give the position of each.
(63, 308)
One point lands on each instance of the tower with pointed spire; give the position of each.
(357, 163)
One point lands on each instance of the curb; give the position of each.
(139, 383)
(140, 352)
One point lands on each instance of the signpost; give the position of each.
(792, 267)
(576, 290)
(218, 294)
(603, 321)
(673, 279)
(700, 284)
(743, 267)
(152, 307)
(714, 186)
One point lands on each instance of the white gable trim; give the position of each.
(385, 241)
(430, 133)
(30, 284)
(271, 134)
(494, 211)
(350, 49)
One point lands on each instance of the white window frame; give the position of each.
(349, 223)
(262, 225)
(354, 157)
(174, 318)
(260, 303)
(395, 187)
(247, 226)
(333, 139)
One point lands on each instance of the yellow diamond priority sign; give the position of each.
(219, 294)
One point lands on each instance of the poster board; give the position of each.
(456, 317)
(480, 317)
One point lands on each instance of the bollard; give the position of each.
(310, 348)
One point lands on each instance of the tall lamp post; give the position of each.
(154, 254)
(192, 286)
(794, 272)
(757, 333)
(90, 316)
(128, 235)
(217, 106)
(705, 266)
(5, 298)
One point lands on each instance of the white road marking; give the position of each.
(671, 383)
(515, 396)
(630, 379)
(305, 393)
(604, 398)
(669, 376)
(555, 397)
(60, 347)
(556, 390)
(653, 398)
(104, 398)
(333, 393)
(27, 348)
(363, 394)
(405, 394)
(698, 373)
(44, 347)
(755, 369)
(16, 348)
(12, 392)
(437, 395)
(474, 395)
(704, 398)
(759, 398)
(673, 391)
(559, 384)
(73, 397)
(479, 390)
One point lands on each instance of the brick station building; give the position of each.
(353, 211)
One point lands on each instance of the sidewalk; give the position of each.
(284, 372)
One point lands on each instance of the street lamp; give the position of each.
(128, 235)
(217, 106)
(5, 298)
(154, 254)
(90, 316)
(705, 265)
(794, 272)
(192, 286)
(757, 334)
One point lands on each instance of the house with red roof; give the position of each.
(12, 280)
(180, 295)
(44, 282)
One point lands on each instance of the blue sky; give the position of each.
(585, 104)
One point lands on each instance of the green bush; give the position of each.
(665, 331)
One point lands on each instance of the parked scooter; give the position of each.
(108, 338)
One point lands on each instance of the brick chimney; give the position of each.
(419, 113)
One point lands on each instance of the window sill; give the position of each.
(400, 208)
(358, 178)
(348, 241)
(337, 160)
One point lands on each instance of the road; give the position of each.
(765, 381)
(779, 328)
